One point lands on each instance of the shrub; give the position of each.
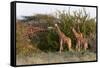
(49, 41)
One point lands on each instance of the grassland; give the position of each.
(43, 48)
(55, 57)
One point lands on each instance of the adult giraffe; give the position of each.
(80, 40)
(63, 39)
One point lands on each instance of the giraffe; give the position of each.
(80, 40)
(63, 39)
(84, 43)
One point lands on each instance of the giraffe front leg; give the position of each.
(78, 46)
(61, 47)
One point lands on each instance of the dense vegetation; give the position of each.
(49, 40)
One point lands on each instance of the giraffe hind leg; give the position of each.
(69, 46)
(61, 47)
(85, 46)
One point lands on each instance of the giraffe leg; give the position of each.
(78, 46)
(61, 47)
(85, 46)
(69, 45)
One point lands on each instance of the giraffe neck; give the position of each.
(75, 33)
(58, 30)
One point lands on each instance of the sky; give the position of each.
(26, 9)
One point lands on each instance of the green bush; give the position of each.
(49, 41)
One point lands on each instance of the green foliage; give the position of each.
(81, 21)
(53, 39)
(49, 41)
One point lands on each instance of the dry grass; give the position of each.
(55, 57)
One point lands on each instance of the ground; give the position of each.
(55, 57)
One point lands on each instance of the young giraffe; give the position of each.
(63, 39)
(80, 40)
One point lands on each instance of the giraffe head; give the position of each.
(72, 28)
(56, 25)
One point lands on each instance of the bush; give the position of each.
(49, 41)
